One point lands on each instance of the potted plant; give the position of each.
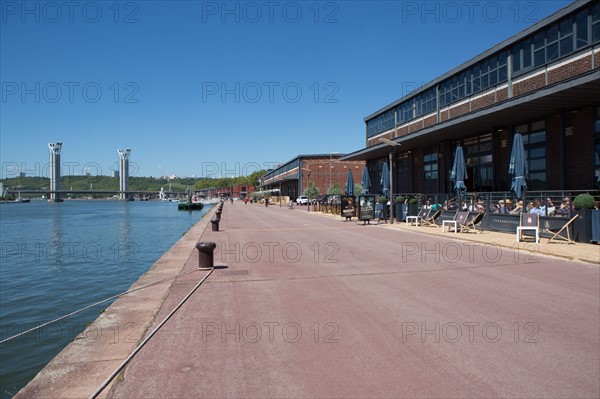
(413, 207)
(383, 206)
(582, 227)
(399, 211)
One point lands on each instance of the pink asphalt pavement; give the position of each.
(311, 306)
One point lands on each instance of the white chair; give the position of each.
(529, 222)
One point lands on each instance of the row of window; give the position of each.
(480, 163)
(570, 34)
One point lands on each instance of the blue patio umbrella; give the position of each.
(349, 183)
(385, 180)
(518, 166)
(366, 181)
(459, 171)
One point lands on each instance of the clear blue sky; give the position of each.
(213, 88)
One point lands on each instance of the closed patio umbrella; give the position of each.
(385, 180)
(366, 181)
(349, 183)
(459, 172)
(518, 167)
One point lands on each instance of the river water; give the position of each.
(58, 257)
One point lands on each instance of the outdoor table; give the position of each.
(412, 218)
(449, 222)
(531, 228)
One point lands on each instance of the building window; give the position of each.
(478, 158)
(430, 166)
(596, 22)
(534, 140)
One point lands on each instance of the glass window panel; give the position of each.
(537, 164)
(485, 81)
(566, 27)
(539, 125)
(539, 41)
(539, 152)
(516, 58)
(502, 74)
(493, 63)
(539, 57)
(581, 21)
(538, 137)
(596, 32)
(596, 12)
(527, 54)
(552, 34)
(552, 52)
(476, 85)
(566, 45)
(493, 77)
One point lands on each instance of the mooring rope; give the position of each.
(137, 349)
(97, 303)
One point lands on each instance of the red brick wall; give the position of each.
(482, 102)
(570, 70)
(529, 85)
(553, 151)
(580, 149)
(322, 170)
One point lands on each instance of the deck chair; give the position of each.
(531, 222)
(461, 219)
(422, 215)
(472, 224)
(556, 236)
(431, 220)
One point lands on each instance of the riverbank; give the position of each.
(82, 366)
(312, 306)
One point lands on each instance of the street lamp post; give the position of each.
(392, 155)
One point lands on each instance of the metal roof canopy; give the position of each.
(575, 93)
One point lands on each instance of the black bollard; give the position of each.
(205, 254)
(215, 223)
(218, 214)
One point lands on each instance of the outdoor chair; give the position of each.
(461, 218)
(450, 223)
(556, 236)
(531, 222)
(420, 217)
(432, 220)
(472, 224)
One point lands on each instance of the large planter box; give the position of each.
(596, 226)
(401, 212)
(413, 209)
(582, 226)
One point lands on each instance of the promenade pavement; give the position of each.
(307, 305)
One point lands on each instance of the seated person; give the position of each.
(565, 207)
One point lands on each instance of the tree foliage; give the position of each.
(335, 189)
(311, 191)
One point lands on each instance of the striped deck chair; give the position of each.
(472, 223)
(432, 219)
(461, 218)
(556, 236)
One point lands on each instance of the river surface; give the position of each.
(59, 257)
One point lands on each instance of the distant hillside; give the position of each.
(135, 183)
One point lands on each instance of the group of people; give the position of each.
(504, 206)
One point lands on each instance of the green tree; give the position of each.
(311, 191)
(335, 189)
(358, 189)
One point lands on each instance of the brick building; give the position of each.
(544, 82)
(239, 191)
(323, 170)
